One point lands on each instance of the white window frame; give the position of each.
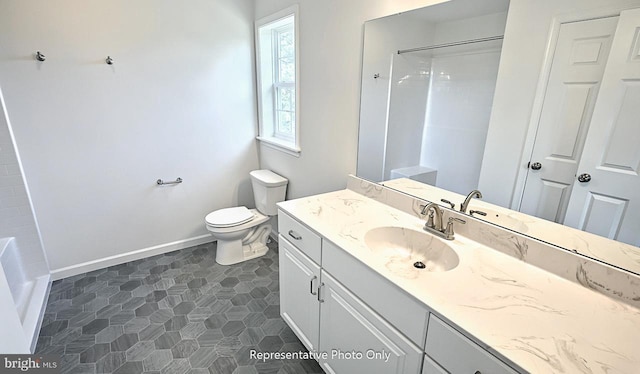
(268, 82)
(277, 84)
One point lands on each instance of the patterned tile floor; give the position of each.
(175, 313)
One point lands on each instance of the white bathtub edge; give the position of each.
(33, 321)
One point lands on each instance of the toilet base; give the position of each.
(254, 245)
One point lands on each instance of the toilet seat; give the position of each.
(229, 217)
(258, 219)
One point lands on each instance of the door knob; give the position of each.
(536, 166)
(584, 178)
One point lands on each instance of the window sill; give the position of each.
(280, 145)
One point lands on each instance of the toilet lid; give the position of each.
(229, 217)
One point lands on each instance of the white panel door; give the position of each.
(299, 281)
(357, 340)
(576, 71)
(609, 203)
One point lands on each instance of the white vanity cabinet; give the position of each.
(300, 279)
(331, 320)
(456, 353)
(430, 367)
(381, 330)
(358, 340)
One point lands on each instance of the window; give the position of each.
(277, 67)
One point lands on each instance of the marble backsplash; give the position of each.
(614, 253)
(597, 276)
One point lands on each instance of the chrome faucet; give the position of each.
(471, 195)
(435, 224)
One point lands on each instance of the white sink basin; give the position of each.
(408, 252)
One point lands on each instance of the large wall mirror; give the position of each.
(428, 83)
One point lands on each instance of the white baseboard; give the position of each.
(129, 256)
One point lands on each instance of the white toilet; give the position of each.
(242, 233)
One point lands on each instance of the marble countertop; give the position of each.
(540, 322)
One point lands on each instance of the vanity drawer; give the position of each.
(458, 354)
(300, 236)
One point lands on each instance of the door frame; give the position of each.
(541, 90)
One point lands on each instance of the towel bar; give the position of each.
(160, 182)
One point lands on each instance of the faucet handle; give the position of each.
(452, 205)
(448, 232)
(424, 209)
(430, 222)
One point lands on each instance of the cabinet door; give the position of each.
(430, 367)
(356, 340)
(299, 281)
(457, 354)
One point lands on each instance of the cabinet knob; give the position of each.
(477, 372)
(536, 166)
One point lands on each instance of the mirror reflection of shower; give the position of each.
(447, 132)
(428, 119)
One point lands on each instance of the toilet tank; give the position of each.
(268, 189)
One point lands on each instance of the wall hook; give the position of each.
(376, 76)
(109, 60)
(40, 56)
